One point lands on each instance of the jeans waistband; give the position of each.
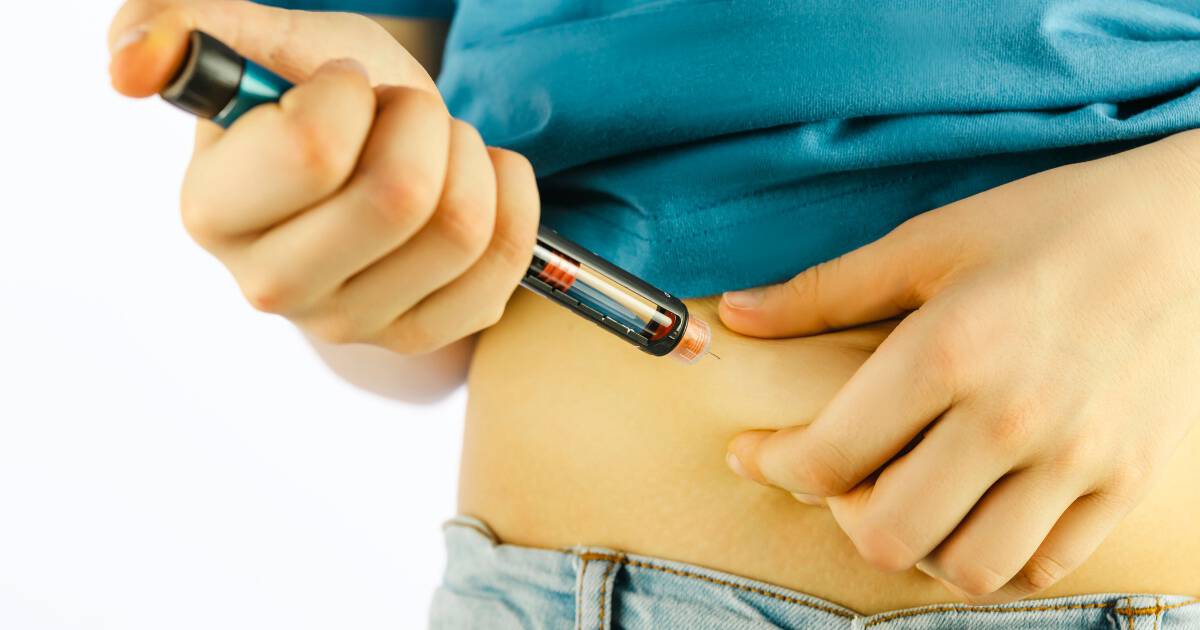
(490, 584)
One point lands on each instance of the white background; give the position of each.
(170, 459)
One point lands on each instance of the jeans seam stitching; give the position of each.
(705, 578)
(604, 586)
(579, 593)
(1120, 611)
(1154, 610)
(958, 608)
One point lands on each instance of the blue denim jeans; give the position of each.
(489, 585)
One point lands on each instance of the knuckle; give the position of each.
(360, 100)
(1074, 455)
(467, 131)
(483, 318)
(1128, 483)
(198, 220)
(464, 222)
(821, 470)
(417, 102)
(269, 294)
(351, 86)
(1040, 573)
(1011, 429)
(915, 229)
(410, 338)
(510, 162)
(323, 157)
(403, 199)
(517, 180)
(513, 248)
(336, 327)
(805, 288)
(516, 227)
(490, 316)
(973, 578)
(470, 196)
(948, 352)
(878, 544)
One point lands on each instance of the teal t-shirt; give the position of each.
(708, 145)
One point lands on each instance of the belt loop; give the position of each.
(479, 527)
(1138, 612)
(594, 585)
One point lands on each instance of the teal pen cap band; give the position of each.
(216, 83)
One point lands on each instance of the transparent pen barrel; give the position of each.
(599, 292)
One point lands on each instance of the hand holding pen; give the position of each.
(371, 215)
(361, 214)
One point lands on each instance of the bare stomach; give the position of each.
(572, 437)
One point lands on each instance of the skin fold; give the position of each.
(998, 394)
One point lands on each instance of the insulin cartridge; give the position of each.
(216, 83)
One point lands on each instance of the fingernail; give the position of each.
(129, 38)
(735, 465)
(749, 298)
(810, 499)
(349, 65)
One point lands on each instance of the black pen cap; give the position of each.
(209, 78)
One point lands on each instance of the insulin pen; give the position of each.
(216, 83)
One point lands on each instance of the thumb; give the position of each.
(149, 38)
(876, 281)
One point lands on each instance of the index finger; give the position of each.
(892, 397)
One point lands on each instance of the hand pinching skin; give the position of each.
(1045, 373)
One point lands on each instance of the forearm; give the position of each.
(424, 378)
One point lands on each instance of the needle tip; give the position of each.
(713, 354)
